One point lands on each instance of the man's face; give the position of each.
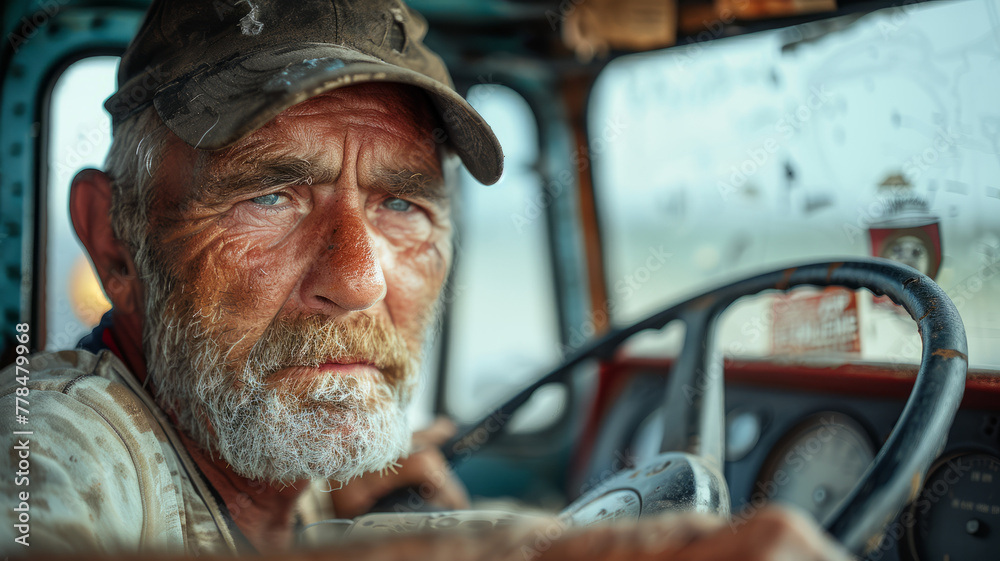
(294, 279)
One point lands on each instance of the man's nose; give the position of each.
(347, 273)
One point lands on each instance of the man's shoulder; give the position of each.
(77, 384)
(102, 472)
(62, 371)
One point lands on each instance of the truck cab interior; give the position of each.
(694, 249)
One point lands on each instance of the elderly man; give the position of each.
(273, 231)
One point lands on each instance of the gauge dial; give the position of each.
(817, 464)
(957, 515)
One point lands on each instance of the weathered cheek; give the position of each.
(416, 278)
(229, 279)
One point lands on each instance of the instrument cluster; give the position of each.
(815, 464)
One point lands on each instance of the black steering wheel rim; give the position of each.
(919, 433)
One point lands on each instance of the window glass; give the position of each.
(80, 136)
(504, 330)
(874, 136)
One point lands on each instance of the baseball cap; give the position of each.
(218, 70)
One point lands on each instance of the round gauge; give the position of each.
(816, 464)
(957, 515)
(909, 250)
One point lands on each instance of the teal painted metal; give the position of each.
(471, 12)
(61, 34)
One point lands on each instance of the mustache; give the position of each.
(315, 340)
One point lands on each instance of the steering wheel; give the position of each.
(686, 476)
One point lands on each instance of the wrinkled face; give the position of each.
(293, 281)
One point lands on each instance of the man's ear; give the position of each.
(90, 209)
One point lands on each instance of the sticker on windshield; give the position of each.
(816, 322)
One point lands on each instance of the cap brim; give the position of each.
(218, 105)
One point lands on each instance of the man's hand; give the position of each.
(425, 469)
(773, 534)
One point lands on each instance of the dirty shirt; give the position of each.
(107, 470)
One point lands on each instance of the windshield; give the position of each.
(877, 135)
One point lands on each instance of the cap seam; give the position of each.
(336, 16)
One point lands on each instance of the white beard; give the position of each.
(338, 428)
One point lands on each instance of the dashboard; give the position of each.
(811, 449)
(804, 436)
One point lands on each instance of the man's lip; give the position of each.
(348, 361)
(357, 369)
(346, 367)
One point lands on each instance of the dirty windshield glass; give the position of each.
(873, 135)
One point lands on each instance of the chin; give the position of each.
(283, 440)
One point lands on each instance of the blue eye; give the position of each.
(268, 200)
(399, 205)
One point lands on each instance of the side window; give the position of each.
(504, 329)
(80, 135)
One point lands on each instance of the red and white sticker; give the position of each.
(816, 322)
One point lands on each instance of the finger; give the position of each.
(810, 534)
(451, 494)
(430, 471)
(435, 435)
(783, 532)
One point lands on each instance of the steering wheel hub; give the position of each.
(670, 482)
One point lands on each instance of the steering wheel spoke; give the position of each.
(694, 405)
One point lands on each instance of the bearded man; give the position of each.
(273, 231)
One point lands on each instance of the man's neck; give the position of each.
(263, 512)
(126, 332)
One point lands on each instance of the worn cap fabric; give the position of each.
(217, 71)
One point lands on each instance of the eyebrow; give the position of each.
(407, 183)
(254, 176)
(268, 174)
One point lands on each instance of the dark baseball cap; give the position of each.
(218, 70)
